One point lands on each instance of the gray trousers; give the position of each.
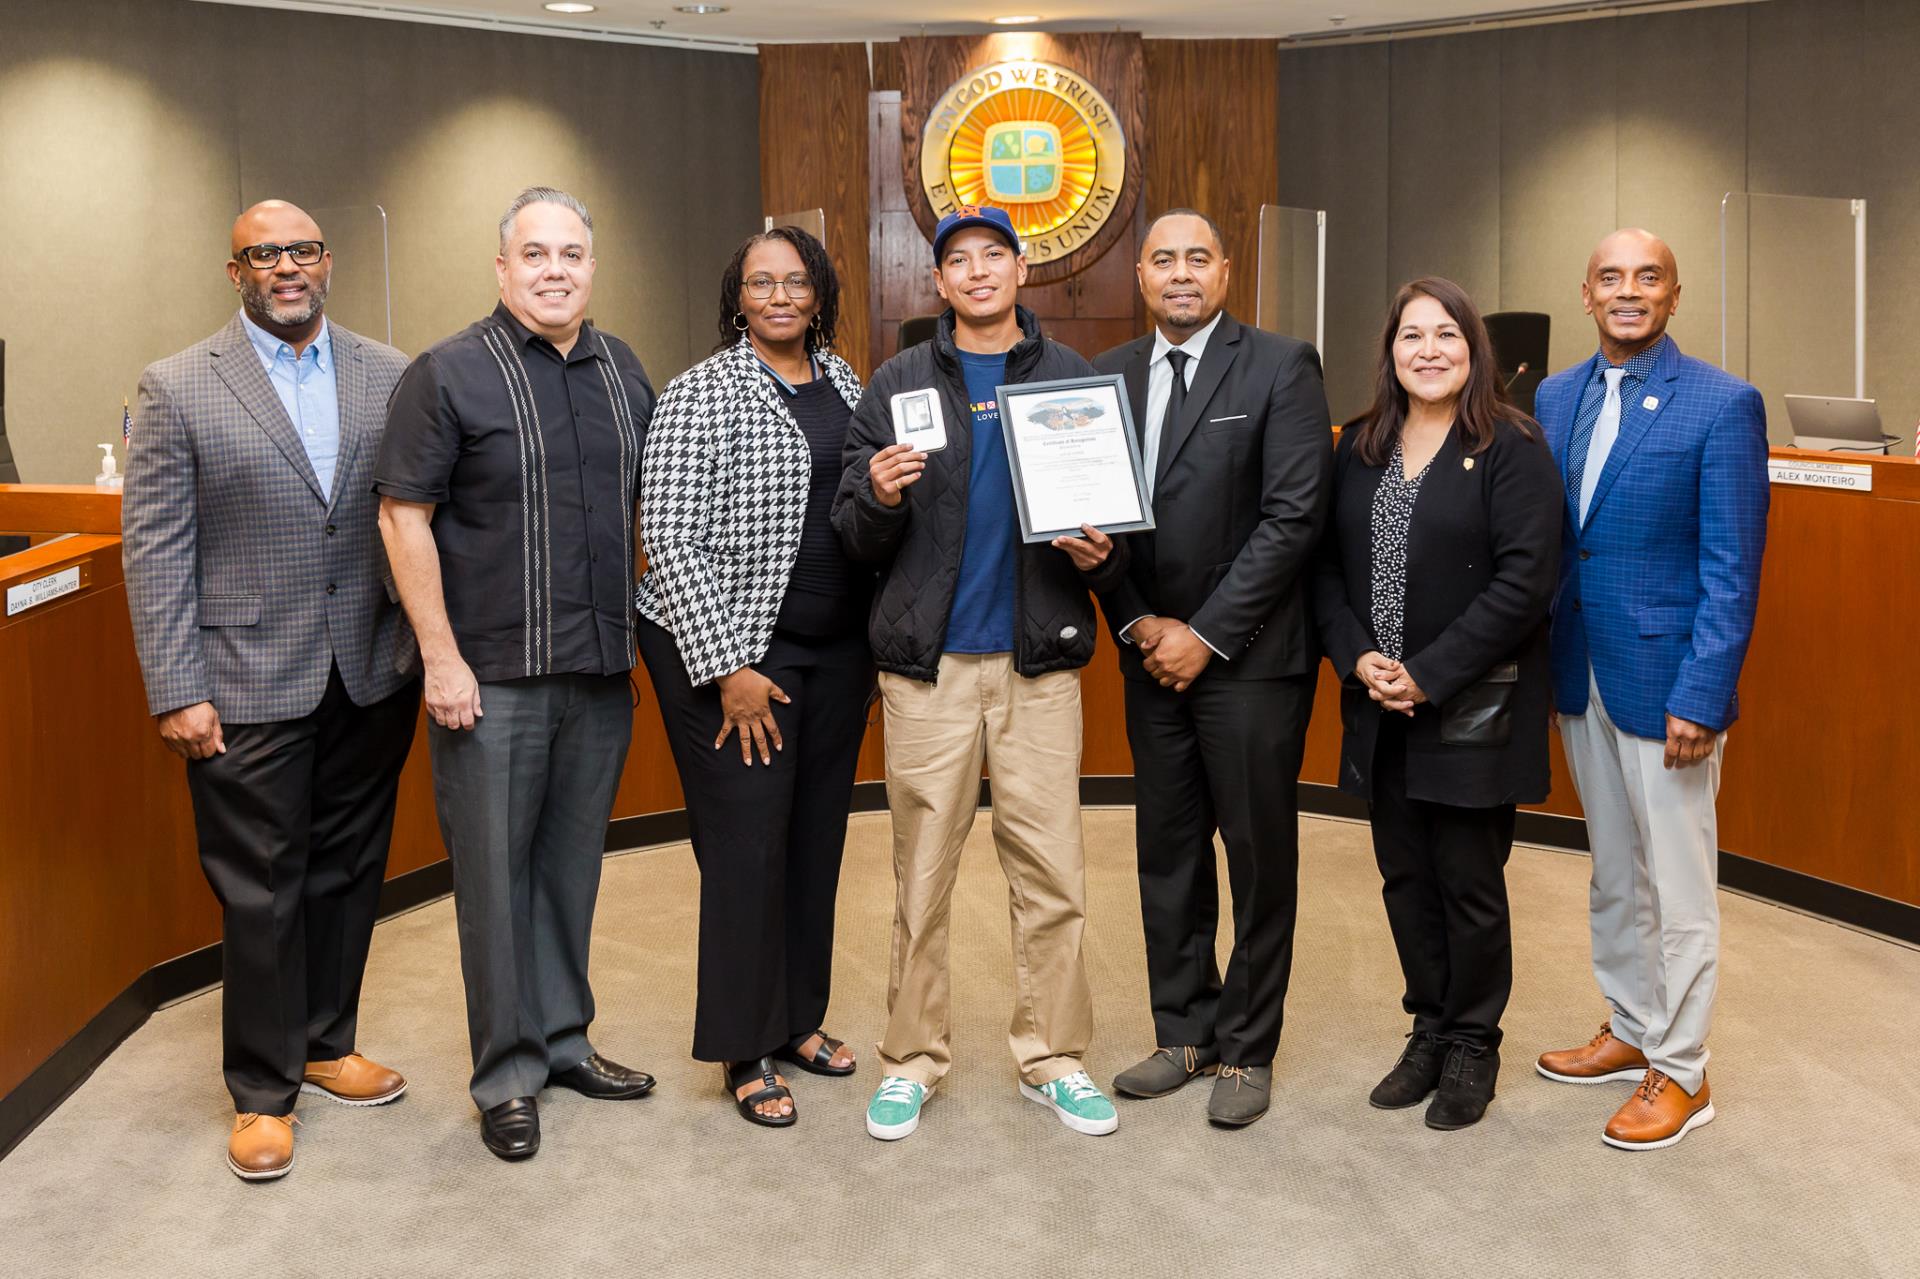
(1653, 903)
(524, 798)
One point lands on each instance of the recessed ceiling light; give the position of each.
(701, 8)
(1016, 19)
(567, 6)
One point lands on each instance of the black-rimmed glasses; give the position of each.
(303, 252)
(761, 286)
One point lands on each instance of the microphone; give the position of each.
(1524, 366)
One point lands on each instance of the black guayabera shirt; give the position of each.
(532, 460)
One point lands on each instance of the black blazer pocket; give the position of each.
(1481, 713)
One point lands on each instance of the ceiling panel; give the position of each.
(750, 21)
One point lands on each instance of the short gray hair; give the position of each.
(543, 195)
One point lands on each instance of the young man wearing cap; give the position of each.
(979, 639)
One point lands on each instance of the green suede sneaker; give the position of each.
(894, 1111)
(1079, 1104)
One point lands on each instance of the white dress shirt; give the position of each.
(1159, 390)
(1160, 387)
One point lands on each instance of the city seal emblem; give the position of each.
(1034, 138)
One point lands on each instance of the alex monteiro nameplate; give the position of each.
(917, 420)
(1074, 457)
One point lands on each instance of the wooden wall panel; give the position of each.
(1212, 144)
(813, 154)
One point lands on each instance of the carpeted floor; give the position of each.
(1813, 1167)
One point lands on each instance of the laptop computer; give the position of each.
(1832, 422)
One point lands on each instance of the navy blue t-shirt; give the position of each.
(982, 617)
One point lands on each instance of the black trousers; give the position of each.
(1443, 877)
(768, 838)
(293, 824)
(1224, 755)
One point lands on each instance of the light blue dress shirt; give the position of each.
(309, 390)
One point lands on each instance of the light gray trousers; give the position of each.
(1653, 904)
(524, 798)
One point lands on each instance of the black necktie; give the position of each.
(1176, 401)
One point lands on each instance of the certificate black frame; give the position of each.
(1103, 385)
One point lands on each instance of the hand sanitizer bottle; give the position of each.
(108, 481)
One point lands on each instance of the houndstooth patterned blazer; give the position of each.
(723, 494)
(246, 582)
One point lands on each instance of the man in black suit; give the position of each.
(1216, 645)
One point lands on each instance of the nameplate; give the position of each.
(42, 589)
(1822, 475)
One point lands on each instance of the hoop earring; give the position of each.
(816, 321)
(739, 322)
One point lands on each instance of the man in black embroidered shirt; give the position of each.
(507, 476)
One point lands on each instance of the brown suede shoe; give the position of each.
(1658, 1114)
(261, 1147)
(353, 1081)
(1601, 1060)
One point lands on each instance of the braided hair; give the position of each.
(819, 267)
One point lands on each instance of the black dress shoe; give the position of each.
(1414, 1075)
(1466, 1086)
(604, 1080)
(511, 1129)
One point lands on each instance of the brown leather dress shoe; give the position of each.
(1600, 1060)
(261, 1146)
(353, 1081)
(1659, 1113)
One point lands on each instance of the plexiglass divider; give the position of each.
(1793, 298)
(1293, 273)
(360, 296)
(812, 221)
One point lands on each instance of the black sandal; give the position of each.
(741, 1073)
(821, 1063)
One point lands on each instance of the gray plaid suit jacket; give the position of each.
(245, 581)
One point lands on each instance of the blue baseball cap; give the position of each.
(967, 215)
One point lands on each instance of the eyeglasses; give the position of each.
(303, 253)
(762, 286)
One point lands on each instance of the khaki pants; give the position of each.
(937, 736)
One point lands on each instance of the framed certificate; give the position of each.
(1074, 457)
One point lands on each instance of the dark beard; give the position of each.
(262, 309)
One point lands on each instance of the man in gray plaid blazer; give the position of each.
(277, 663)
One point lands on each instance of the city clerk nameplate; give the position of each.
(42, 590)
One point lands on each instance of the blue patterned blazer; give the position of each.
(1658, 590)
(246, 582)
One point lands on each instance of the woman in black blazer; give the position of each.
(1431, 590)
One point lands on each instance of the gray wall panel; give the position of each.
(1333, 156)
(1444, 153)
(156, 136)
(1683, 145)
(1804, 104)
(119, 154)
(1558, 157)
(1890, 136)
(1806, 97)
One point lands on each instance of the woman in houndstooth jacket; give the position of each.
(753, 627)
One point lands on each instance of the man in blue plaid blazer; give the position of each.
(1665, 463)
(277, 663)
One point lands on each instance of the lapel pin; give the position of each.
(1466, 463)
(1651, 403)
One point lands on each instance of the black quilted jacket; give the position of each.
(917, 543)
